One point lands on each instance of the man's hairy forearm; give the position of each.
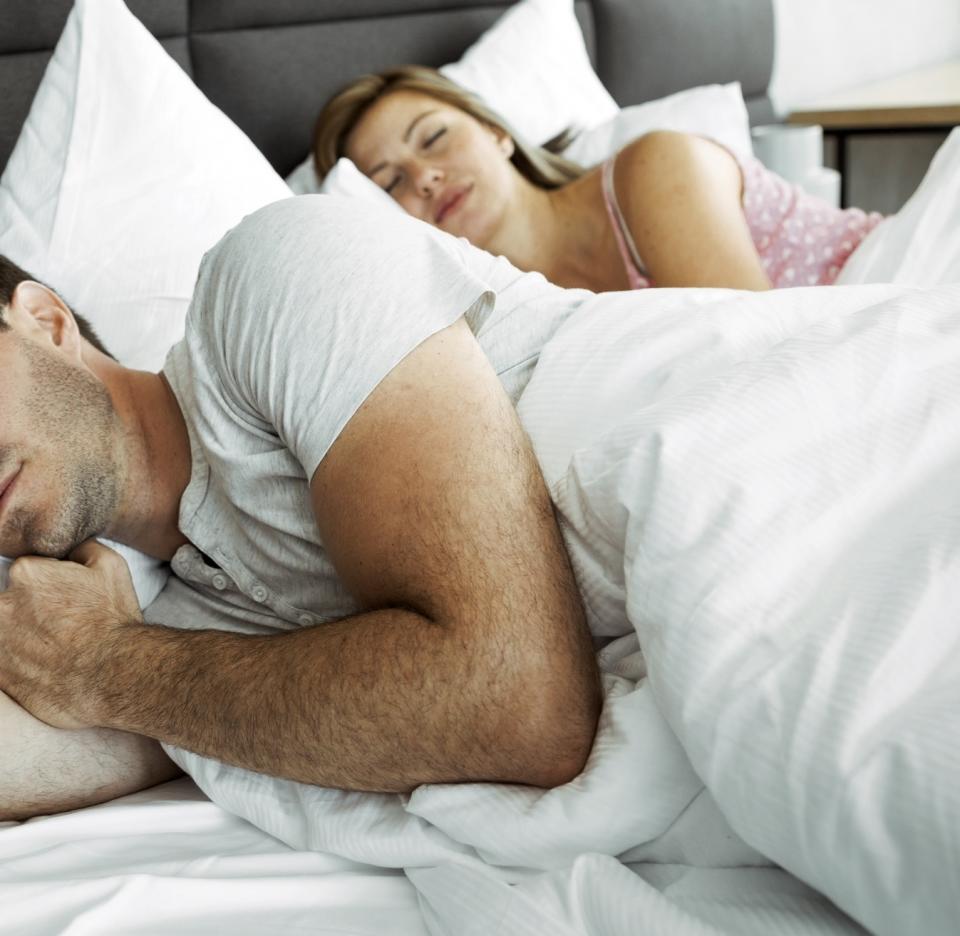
(382, 701)
(48, 770)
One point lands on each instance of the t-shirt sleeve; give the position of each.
(309, 303)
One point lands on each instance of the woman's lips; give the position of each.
(452, 203)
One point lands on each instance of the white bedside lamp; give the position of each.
(796, 154)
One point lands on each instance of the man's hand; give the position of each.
(55, 618)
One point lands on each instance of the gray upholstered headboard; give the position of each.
(270, 64)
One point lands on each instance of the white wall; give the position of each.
(828, 45)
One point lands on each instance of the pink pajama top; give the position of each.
(802, 240)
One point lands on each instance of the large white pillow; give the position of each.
(123, 175)
(714, 111)
(343, 179)
(532, 68)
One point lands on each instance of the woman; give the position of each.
(669, 209)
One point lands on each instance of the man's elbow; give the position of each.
(560, 736)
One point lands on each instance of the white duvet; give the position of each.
(764, 492)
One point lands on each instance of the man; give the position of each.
(343, 490)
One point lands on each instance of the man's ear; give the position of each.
(45, 316)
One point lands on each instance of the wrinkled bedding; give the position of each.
(788, 518)
(167, 860)
(761, 491)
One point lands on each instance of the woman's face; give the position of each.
(442, 165)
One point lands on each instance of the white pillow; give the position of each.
(346, 179)
(532, 68)
(343, 179)
(303, 180)
(714, 111)
(123, 175)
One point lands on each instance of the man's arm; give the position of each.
(47, 770)
(472, 662)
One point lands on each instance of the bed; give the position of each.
(171, 860)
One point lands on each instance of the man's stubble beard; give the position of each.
(78, 420)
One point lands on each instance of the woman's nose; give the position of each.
(426, 179)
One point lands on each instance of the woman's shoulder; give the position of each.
(660, 146)
(658, 159)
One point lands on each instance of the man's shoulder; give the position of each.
(284, 248)
(308, 209)
(337, 220)
(327, 240)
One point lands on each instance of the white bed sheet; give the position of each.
(167, 860)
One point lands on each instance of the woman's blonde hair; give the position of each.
(541, 165)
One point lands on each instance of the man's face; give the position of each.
(59, 432)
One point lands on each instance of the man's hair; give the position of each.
(11, 276)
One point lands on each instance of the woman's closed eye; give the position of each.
(433, 137)
(392, 185)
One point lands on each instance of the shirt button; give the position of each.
(219, 581)
(305, 620)
(260, 593)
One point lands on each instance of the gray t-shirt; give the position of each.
(298, 313)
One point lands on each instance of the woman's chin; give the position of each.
(471, 229)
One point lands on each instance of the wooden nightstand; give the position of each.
(926, 100)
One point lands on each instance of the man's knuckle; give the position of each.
(23, 569)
